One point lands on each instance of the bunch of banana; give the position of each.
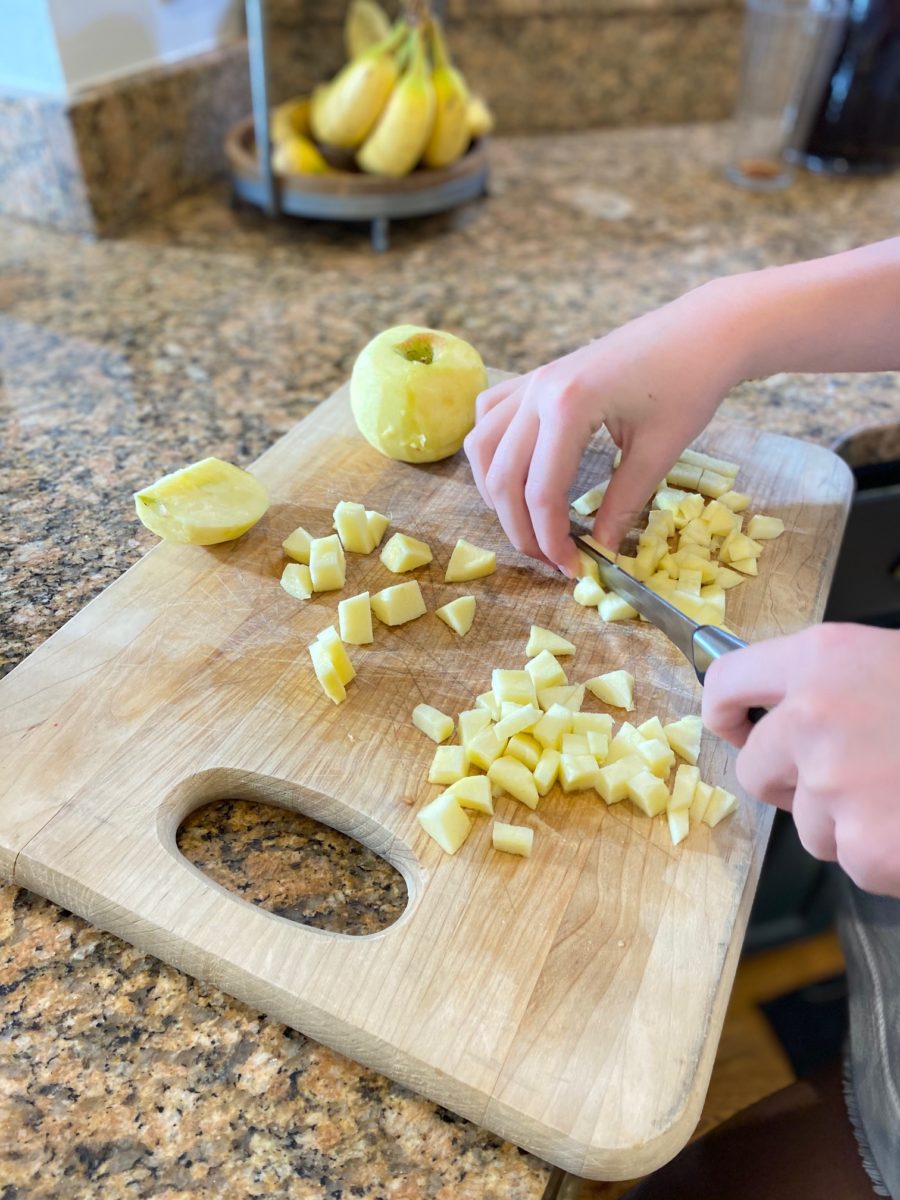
(394, 105)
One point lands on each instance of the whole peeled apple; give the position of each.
(413, 392)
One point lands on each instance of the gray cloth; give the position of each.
(869, 928)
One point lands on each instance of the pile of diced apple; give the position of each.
(320, 565)
(528, 733)
(693, 549)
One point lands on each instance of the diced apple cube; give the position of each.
(657, 755)
(736, 501)
(695, 533)
(297, 581)
(378, 524)
(615, 688)
(598, 744)
(574, 743)
(591, 500)
(488, 701)
(448, 765)
(668, 498)
(578, 772)
(526, 716)
(472, 721)
(515, 686)
(544, 639)
(326, 673)
(747, 566)
(469, 562)
(404, 553)
(398, 604)
(684, 737)
(484, 749)
(712, 483)
(588, 592)
(355, 619)
(587, 568)
(661, 521)
(546, 671)
(647, 560)
(738, 546)
(690, 581)
(715, 596)
(679, 824)
(296, 545)
(765, 528)
(625, 743)
(686, 780)
(589, 721)
(512, 839)
(614, 608)
(613, 779)
(652, 728)
(662, 583)
(327, 565)
(702, 795)
(546, 771)
(353, 528)
(570, 696)
(458, 614)
(690, 605)
(514, 777)
(525, 748)
(698, 459)
(626, 562)
(684, 475)
(721, 803)
(432, 722)
(553, 724)
(688, 509)
(727, 578)
(719, 518)
(444, 820)
(648, 792)
(473, 792)
(334, 648)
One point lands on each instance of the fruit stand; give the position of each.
(340, 195)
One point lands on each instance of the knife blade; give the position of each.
(700, 644)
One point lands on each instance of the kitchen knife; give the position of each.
(700, 644)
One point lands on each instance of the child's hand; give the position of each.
(653, 383)
(829, 751)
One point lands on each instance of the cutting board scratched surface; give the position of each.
(571, 1002)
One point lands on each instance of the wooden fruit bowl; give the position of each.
(354, 195)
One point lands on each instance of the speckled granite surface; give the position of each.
(211, 332)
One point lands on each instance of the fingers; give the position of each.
(767, 767)
(482, 442)
(815, 825)
(753, 678)
(631, 485)
(506, 478)
(492, 396)
(554, 464)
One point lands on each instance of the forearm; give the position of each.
(840, 313)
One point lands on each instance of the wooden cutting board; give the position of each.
(571, 1002)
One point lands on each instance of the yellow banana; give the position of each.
(296, 155)
(400, 136)
(481, 119)
(290, 119)
(366, 24)
(354, 99)
(450, 133)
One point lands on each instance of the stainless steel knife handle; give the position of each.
(710, 643)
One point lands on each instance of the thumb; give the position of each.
(633, 482)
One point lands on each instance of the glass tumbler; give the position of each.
(788, 50)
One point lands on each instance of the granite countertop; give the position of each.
(209, 331)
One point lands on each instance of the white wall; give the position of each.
(97, 40)
(29, 59)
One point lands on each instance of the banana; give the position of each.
(296, 155)
(400, 136)
(355, 98)
(481, 119)
(366, 24)
(290, 119)
(450, 133)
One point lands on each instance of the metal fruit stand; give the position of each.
(344, 195)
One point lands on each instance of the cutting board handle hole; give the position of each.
(293, 866)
